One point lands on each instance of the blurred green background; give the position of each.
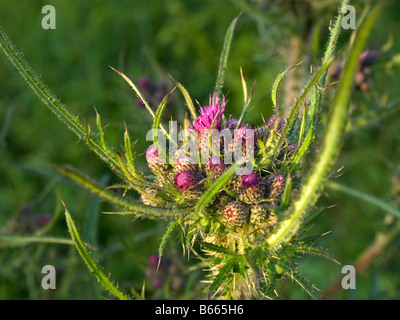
(155, 39)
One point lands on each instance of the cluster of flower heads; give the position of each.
(30, 221)
(165, 271)
(247, 198)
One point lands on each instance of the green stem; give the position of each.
(316, 93)
(332, 141)
(110, 197)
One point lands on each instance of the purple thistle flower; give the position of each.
(211, 114)
(187, 180)
(151, 153)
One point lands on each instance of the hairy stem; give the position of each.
(321, 170)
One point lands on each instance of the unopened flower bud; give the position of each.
(236, 213)
(147, 84)
(251, 189)
(150, 197)
(244, 140)
(155, 162)
(367, 58)
(276, 185)
(154, 260)
(157, 282)
(187, 180)
(185, 163)
(231, 124)
(259, 214)
(215, 165)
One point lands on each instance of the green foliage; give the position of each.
(242, 263)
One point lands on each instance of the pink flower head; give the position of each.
(155, 161)
(187, 180)
(210, 116)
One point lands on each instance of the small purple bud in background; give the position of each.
(26, 209)
(157, 282)
(262, 133)
(271, 123)
(231, 124)
(154, 260)
(144, 82)
(368, 58)
(178, 283)
(139, 102)
(335, 71)
(41, 220)
(147, 85)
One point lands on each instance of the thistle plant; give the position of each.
(225, 185)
